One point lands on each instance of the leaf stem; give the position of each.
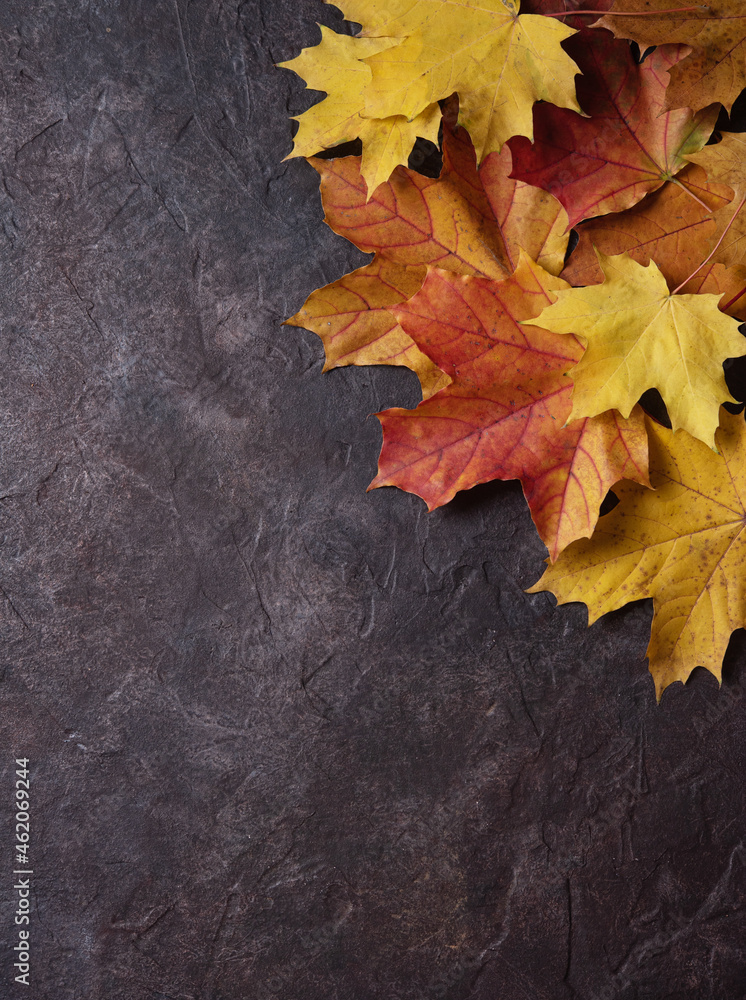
(630, 13)
(714, 249)
(735, 298)
(705, 206)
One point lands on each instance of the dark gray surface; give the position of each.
(289, 739)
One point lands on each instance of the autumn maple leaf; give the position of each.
(498, 61)
(641, 336)
(504, 416)
(725, 162)
(468, 221)
(675, 230)
(683, 544)
(627, 147)
(716, 69)
(673, 226)
(335, 65)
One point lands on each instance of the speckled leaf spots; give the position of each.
(466, 221)
(640, 336)
(683, 544)
(504, 415)
(716, 68)
(627, 147)
(725, 163)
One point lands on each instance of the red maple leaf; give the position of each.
(627, 147)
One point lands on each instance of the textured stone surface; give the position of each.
(289, 739)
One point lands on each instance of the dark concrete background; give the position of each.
(289, 739)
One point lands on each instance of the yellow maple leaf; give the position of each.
(640, 336)
(335, 65)
(498, 61)
(683, 544)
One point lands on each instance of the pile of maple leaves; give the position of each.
(532, 360)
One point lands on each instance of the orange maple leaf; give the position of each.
(675, 230)
(715, 70)
(467, 221)
(498, 340)
(725, 162)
